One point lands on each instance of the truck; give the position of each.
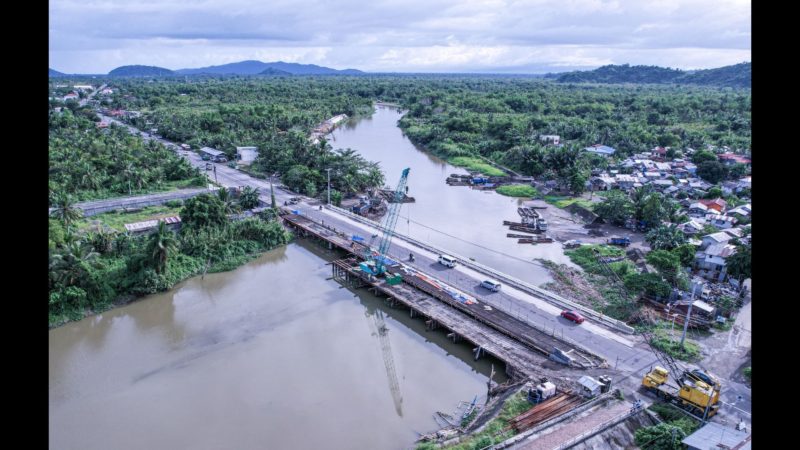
(621, 241)
(696, 391)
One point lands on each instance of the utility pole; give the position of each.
(688, 314)
(215, 174)
(489, 384)
(272, 193)
(329, 185)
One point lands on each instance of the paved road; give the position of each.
(632, 359)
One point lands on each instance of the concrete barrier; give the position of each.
(526, 287)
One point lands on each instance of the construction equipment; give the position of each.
(697, 391)
(693, 390)
(375, 262)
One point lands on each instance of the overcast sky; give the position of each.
(512, 36)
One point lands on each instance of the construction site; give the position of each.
(561, 378)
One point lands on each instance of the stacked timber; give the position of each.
(525, 229)
(548, 409)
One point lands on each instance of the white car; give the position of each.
(491, 285)
(447, 260)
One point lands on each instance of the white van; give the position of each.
(491, 285)
(447, 260)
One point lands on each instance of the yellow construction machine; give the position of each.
(697, 391)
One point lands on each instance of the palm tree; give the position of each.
(160, 245)
(69, 265)
(249, 198)
(739, 263)
(65, 209)
(225, 196)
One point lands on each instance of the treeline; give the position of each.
(90, 272)
(737, 76)
(88, 162)
(274, 116)
(500, 118)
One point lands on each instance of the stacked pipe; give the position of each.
(548, 409)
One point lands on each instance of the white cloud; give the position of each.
(399, 35)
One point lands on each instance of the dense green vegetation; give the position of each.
(140, 71)
(91, 271)
(738, 76)
(499, 118)
(668, 434)
(88, 162)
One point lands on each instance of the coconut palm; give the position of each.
(70, 264)
(160, 245)
(65, 209)
(249, 198)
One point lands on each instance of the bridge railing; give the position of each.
(508, 279)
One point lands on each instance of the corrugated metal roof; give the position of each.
(138, 226)
(712, 434)
(719, 236)
(721, 250)
(211, 151)
(589, 382)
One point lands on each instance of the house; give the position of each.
(661, 185)
(734, 232)
(717, 436)
(625, 182)
(173, 222)
(603, 183)
(711, 262)
(744, 183)
(721, 221)
(71, 96)
(692, 227)
(550, 139)
(213, 154)
(102, 124)
(697, 209)
(719, 237)
(691, 168)
(730, 159)
(106, 91)
(83, 87)
(246, 155)
(659, 152)
(602, 150)
(663, 167)
(672, 191)
(729, 187)
(186, 146)
(741, 211)
(716, 204)
(699, 308)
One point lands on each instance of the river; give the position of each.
(270, 355)
(466, 221)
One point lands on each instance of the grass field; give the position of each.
(477, 165)
(518, 190)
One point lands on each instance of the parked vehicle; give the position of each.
(621, 241)
(575, 316)
(572, 243)
(447, 260)
(491, 285)
(541, 224)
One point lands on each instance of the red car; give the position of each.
(573, 315)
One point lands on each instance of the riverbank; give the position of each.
(97, 271)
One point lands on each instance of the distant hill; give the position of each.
(271, 71)
(55, 73)
(140, 71)
(252, 67)
(738, 75)
(731, 76)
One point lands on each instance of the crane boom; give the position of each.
(387, 224)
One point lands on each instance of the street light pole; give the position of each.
(329, 185)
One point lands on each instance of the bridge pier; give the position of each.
(478, 351)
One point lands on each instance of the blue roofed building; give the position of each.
(601, 150)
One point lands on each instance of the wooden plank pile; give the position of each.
(548, 409)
